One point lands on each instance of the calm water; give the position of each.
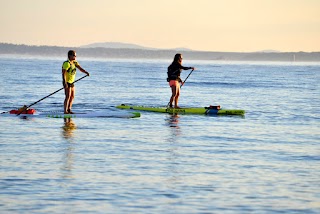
(265, 162)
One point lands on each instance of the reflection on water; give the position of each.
(173, 158)
(68, 128)
(67, 159)
(67, 162)
(173, 123)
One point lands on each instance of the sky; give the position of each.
(207, 25)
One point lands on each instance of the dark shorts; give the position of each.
(70, 85)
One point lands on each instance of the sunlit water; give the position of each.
(265, 162)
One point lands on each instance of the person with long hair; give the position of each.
(174, 71)
(69, 68)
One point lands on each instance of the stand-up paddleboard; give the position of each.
(210, 110)
(32, 113)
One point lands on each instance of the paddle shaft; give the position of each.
(186, 78)
(183, 83)
(51, 94)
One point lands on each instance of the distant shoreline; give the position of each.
(129, 53)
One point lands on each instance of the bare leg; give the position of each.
(71, 99)
(67, 92)
(173, 95)
(177, 96)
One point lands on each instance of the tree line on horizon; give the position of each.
(129, 53)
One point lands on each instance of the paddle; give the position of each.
(26, 107)
(182, 84)
(187, 78)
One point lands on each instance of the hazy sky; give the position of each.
(213, 25)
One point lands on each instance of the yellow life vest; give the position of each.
(71, 70)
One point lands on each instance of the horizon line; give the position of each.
(157, 49)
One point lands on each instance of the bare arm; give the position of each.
(187, 68)
(82, 70)
(64, 81)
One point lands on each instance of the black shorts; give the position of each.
(70, 85)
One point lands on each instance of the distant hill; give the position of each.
(120, 45)
(133, 53)
(268, 51)
(116, 45)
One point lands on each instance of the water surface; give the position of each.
(265, 162)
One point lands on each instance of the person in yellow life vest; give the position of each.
(69, 68)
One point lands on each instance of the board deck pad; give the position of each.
(210, 110)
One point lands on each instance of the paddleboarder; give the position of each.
(69, 68)
(174, 71)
